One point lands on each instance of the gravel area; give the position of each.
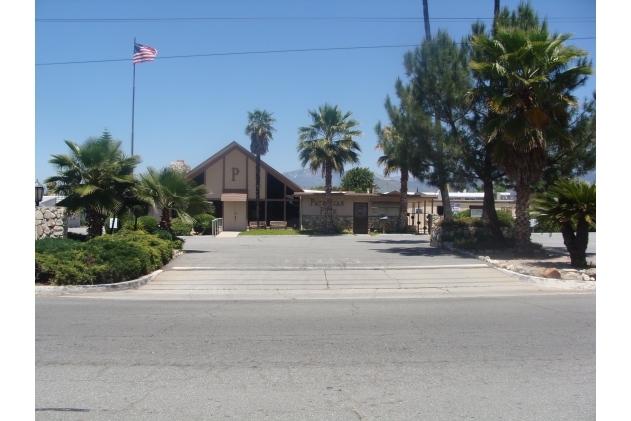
(536, 265)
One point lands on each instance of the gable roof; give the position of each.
(231, 147)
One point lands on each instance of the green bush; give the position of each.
(165, 235)
(55, 245)
(148, 224)
(464, 219)
(203, 223)
(123, 256)
(179, 227)
(462, 214)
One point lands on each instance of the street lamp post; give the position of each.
(39, 192)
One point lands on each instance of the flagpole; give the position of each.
(133, 101)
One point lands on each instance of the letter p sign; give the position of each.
(235, 172)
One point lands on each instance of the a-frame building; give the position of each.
(229, 177)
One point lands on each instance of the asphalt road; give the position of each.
(497, 358)
(554, 241)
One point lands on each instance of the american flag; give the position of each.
(144, 53)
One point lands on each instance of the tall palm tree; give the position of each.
(570, 203)
(326, 145)
(169, 190)
(96, 177)
(260, 130)
(428, 34)
(535, 74)
(396, 151)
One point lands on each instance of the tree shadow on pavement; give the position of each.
(420, 252)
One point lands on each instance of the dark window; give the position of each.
(275, 211)
(275, 189)
(439, 210)
(289, 191)
(293, 213)
(199, 179)
(252, 210)
(218, 204)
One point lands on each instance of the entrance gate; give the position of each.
(360, 218)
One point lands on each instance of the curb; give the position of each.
(551, 283)
(79, 289)
(536, 280)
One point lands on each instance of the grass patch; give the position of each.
(259, 231)
(286, 232)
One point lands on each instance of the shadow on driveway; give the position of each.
(396, 242)
(419, 252)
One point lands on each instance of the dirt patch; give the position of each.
(535, 265)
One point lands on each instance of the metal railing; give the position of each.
(217, 226)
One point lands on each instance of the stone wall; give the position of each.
(374, 224)
(316, 222)
(51, 222)
(441, 238)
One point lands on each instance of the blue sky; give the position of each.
(191, 107)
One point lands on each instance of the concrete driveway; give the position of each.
(323, 267)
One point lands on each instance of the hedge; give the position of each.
(121, 257)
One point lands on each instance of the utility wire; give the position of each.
(234, 19)
(250, 52)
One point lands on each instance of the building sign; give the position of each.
(455, 207)
(320, 203)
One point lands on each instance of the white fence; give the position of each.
(217, 227)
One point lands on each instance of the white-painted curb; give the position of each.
(78, 289)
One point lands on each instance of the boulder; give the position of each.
(551, 273)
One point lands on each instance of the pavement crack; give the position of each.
(326, 279)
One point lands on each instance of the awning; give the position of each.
(234, 197)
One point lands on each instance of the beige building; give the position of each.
(229, 177)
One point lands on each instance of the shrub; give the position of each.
(148, 224)
(464, 219)
(179, 227)
(462, 214)
(203, 222)
(55, 245)
(114, 258)
(165, 235)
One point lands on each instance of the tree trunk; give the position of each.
(522, 222)
(489, 213)
(576, 244)
(95, 224)
(258, 188)
(402, 223)
(165, 221)
(428, 34)
(448, 215)
(328, 202)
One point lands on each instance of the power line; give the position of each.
(303, 50)
(263, 19)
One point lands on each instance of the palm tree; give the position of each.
(326, 145)
(260, 130)
(96, 177)
(570, 203)
(169, 190)
(428, 34)
(529, 103)
(395, 150)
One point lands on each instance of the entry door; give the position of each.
(360, 218)
(234, 216)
